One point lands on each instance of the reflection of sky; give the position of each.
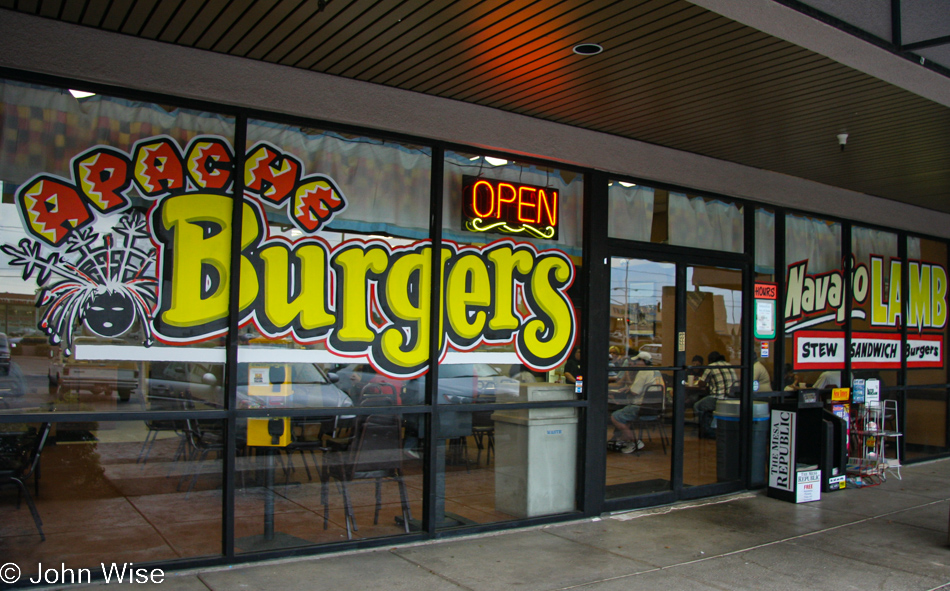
(637, 281)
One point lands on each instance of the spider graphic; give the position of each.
(105, 287)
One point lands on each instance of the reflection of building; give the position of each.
(18, 314)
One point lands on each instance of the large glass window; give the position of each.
(336, 315)
(764, 348)
(925, 413)
(114, 261)
(639, 212)
(512, 244)
(339, 269)
(98, 270)
(876, 309)
(814, 305)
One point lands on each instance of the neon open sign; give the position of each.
(502, 207)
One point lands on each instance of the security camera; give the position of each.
(842, 140)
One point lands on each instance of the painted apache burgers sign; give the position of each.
(166, 265)
(816, 299)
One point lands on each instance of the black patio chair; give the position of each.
(18, 462)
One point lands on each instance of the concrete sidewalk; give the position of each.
(893, 536)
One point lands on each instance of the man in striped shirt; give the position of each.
(719, 380)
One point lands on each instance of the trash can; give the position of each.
(728, 441)
(535, 454)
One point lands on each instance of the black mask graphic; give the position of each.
(110, 314)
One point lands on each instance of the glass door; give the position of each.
(674, 377)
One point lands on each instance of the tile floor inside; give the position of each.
(98, 500)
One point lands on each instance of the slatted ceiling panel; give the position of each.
(304, 23)
(245, 25)
(546, 92)
(434, 52)
(424, 14)
(30, 6)
(418, 40)
(621, 71)
(720, 97)
(179, 19)
(512, 60)
(52, 8)
(620, 91)
(495, 60)
(95, 12)
(231, 20)
(161, 17)
(264, 40)
(114, 17)
(828, 118)
(214, 21)
(138, 16)
(362, 32)
(202, 21)
(329, 32)
(345, 53)
(456, 55)
(254, 25)
(731, 106)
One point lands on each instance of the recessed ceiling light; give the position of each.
(587, 49)
(81, 93)
(495, 161)
(628, 184)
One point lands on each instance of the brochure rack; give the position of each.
(869, 442)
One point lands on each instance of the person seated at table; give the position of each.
(622, 418)
(719, 380)
(791, 378)
(761, 380)
(695, 368)
(828, 379)
(573, 367)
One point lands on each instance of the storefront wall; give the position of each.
(181, 401)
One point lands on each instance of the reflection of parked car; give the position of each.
(12, 383)
(4, 355)
(465, 383)
(259, 385)
(290, 385)
(98, 376)
(459, 383)
(170, 383)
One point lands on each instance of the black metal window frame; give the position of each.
(894, 45)
(591, 466)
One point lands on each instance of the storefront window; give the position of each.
(97, 234)
(814, 305)
(639, 212)
(338, 261)
(925, 414)
(101, 285)
(337, 316)
(512, 242)
(763, 346)
(875, 318)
